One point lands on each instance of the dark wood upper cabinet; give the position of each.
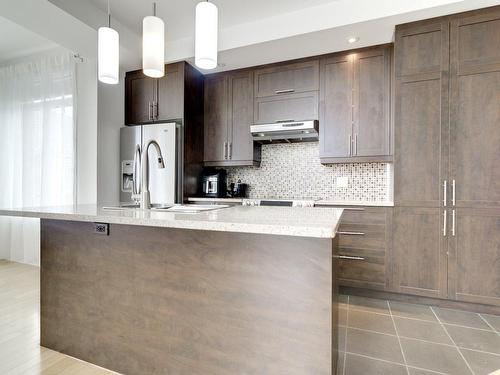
(286, 92)
(228, 116)
(242, 149)
(170, 99)
(372, 125)
(336, 107)
(286, 107)
(140, 94)
(286, 79)
(151, 100)
(216, 119)
(355, 119)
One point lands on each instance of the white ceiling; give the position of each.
(250, 32)
(17, 42)
(179, 14)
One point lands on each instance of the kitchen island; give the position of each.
(241, 290)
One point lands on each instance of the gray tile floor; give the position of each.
(380, 337)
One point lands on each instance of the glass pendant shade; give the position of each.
(206, 35)
(153, 47)
(108, 52)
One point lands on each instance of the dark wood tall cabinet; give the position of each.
(446, 239)
(228, 117)
(355, 93)
(474, 244)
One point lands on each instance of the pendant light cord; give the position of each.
(109, 15)
(154, 8)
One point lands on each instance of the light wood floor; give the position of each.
(20, 350)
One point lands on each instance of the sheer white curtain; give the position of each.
(37, 145)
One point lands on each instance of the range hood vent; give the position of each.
(286, 132)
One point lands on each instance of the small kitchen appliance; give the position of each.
(238, 189)
(214, 183)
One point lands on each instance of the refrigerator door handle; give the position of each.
(136, 183)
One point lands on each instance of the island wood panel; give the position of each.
(148, 300)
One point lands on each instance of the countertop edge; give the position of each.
(282, 230)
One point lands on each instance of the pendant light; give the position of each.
(108, 53)
(205, 55)
(153, 46)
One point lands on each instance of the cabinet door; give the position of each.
(170, 100)
(371, 127)
(475, 109)
(421, 114)
(286, 79)
(419, 250)
(291, 107)
(140, 92)
(475, 256)
(240, 95)
(335, 127)
(216, 119)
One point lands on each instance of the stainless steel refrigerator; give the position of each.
(165, 185)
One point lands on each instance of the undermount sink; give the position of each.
(179, 208)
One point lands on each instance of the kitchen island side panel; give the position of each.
(147, 300)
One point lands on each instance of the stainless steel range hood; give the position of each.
(280, 132)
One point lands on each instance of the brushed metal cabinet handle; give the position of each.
(355, 143)
(453, 199)
(150, 107)
(155, 110)
(350, 145)
(445, 185)
(453, 223)
(351, 233)
(230, 150)
(353, 209)
(225, 150)
(348, 257)
(444, 223)
(286, 91)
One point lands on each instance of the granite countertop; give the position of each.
(301, 222)
(322, 202)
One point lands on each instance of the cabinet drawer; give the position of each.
(362, 236)
(291, 107)
(285, 79)
(364, 215)
(369, 272)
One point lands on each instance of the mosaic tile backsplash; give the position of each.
(294, 171)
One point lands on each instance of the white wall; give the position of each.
(86, 133)
(110, 118)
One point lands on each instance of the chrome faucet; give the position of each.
(145, 195)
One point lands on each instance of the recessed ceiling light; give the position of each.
(353, 39)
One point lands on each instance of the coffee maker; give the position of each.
(214, 183)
